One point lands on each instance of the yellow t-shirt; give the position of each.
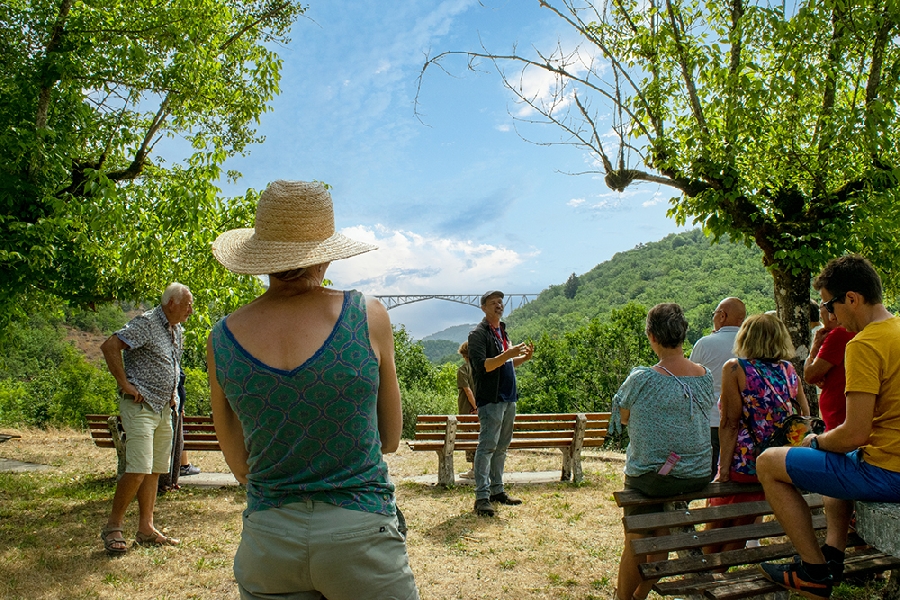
(872, 362)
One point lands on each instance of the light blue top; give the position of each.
(668, 414)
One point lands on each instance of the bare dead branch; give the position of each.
(583, 29)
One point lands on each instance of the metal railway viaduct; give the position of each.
(513, 301)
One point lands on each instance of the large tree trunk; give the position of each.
(792, 296)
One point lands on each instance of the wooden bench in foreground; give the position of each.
(692, 574)
(106, 431)
(570, 432)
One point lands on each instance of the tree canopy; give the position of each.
(91, 206)
(775, 123)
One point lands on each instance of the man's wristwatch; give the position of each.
(814, 443)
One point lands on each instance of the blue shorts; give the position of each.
(842, 476)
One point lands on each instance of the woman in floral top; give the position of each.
(760, 389)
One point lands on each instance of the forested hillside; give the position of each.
(684, 268)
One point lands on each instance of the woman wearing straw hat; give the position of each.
(305, 401)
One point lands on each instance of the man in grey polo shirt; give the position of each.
(147, 379)
(713, 351)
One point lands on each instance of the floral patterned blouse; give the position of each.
(766, 402)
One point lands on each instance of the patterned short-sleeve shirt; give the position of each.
(153, 357)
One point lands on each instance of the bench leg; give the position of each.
(446, 472)
(892, 590)
(571, 466)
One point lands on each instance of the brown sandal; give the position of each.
(155, 539)
(106, 534)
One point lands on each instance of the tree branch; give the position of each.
(878, 48)
(50, 77)
(588, 32)
(734, 66)
(140, 157)
(686, 72)
(263, 17)
(830, 84)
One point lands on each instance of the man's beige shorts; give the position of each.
(148, 436)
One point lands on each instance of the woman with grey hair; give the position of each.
(666, 408)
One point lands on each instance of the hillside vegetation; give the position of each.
(684, 268)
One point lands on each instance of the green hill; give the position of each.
(441, 351)
(457, 334)
(684, 268)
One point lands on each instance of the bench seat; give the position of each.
(106, 432)
(694, 574)
(569, 432)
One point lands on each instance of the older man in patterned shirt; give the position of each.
(147, 378)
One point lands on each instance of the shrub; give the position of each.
(58, 395)
(82, 389)
(424, 402)
(13, 396)
(196, 387)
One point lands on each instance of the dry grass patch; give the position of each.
(562, 543)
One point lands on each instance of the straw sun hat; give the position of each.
(294, 229)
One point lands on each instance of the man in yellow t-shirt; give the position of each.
(858, 460)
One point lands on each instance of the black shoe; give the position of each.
(835, 566)
(502, 498)
(188, 469)
(483, 507)
(793, 576)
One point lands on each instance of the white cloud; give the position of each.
(544, 89)
(504, 127)
(575, 202)
(410, 263)
(657, 198)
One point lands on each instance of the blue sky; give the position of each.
(456, 201)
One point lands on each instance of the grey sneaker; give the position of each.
(483, 507)
(188, 469)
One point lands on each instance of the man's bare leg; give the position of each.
(146, 496)
(126, 489)
(838, 514)
(788, 505)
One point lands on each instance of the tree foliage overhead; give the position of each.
(776, 123)
(91, 209)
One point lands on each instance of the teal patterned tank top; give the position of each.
(311, 433)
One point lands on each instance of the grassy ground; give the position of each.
(562, 543)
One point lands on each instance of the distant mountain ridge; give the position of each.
(457, 333)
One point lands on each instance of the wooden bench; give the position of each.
(107, 432)
(693, 574)
(570, 432)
